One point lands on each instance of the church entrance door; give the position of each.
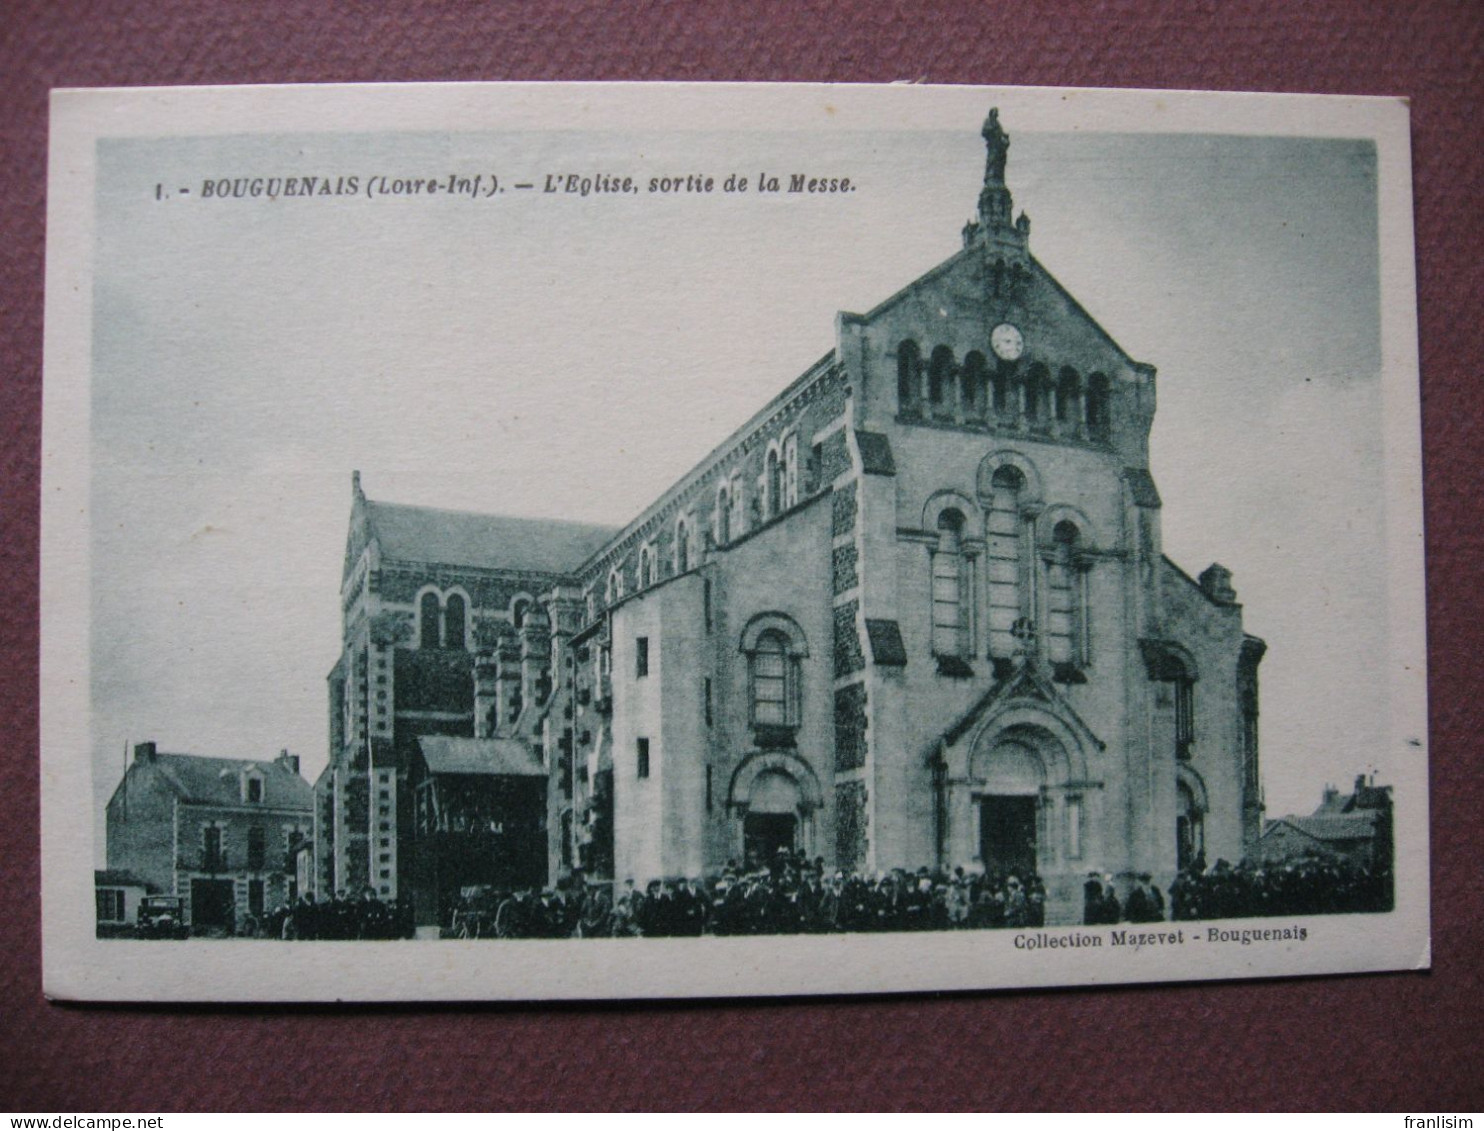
(1007, 833)
(763, 834)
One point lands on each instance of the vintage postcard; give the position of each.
(584, 541)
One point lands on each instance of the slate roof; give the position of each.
(875, 449)
(1351, 826)
(117, 878)
(218, 781)
(429, 534)
(503, 757)
(1141, 483)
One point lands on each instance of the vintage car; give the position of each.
(474, 914)
(162, 917)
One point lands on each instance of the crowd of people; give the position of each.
(1309, 886)
(339, 918)
(798, 896)
(792, 896)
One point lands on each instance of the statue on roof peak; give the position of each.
(997, 143)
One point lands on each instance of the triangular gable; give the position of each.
(1028, 685)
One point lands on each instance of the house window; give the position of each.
(257, 842)
(615, 585)
(641, 657)
(706, 699)
(453, 623)
(110, 905)
(948, 606)
(682, 547)
(428, 621)
(1005, 555)
(255, 897)
(770, 680)
(213, 859)
(646, 577)
(706, 603)
(255, 790)
(641, 766)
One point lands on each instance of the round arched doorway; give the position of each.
(1011, 775)
(775, 796)
(771, 824)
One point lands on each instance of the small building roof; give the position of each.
(429, 534)
(218, 781)
(1350, 826)
(117, 878)
(497, 757)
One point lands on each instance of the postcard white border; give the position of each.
(78, 966)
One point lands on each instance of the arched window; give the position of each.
(723, 516)
(615, 585)
(1184, 717)
(518, 612)
(645, 571)
(739, 504)
(1097, 408)
(1167, 665)
(1005, 569)
(770, 680)
(682, 547)
(940, 376)
(1036, 380)
(1068, 389)
(428, 617)
(773, 645)
(949, 620)
(1065, 605)
(909, 366)
(773, 500)
(790, 470)
(453, 622)
(975, 378)
(1000, 387)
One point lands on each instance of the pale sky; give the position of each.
(571, 357)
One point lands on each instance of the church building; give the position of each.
(914, 613)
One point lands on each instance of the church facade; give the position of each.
(914, 613)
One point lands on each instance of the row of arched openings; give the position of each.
(1004, 393)
(1015, 568)
(443, 619)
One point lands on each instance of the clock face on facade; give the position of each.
(1006, 342)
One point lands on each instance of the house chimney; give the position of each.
(289, 760)
(144, 752)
